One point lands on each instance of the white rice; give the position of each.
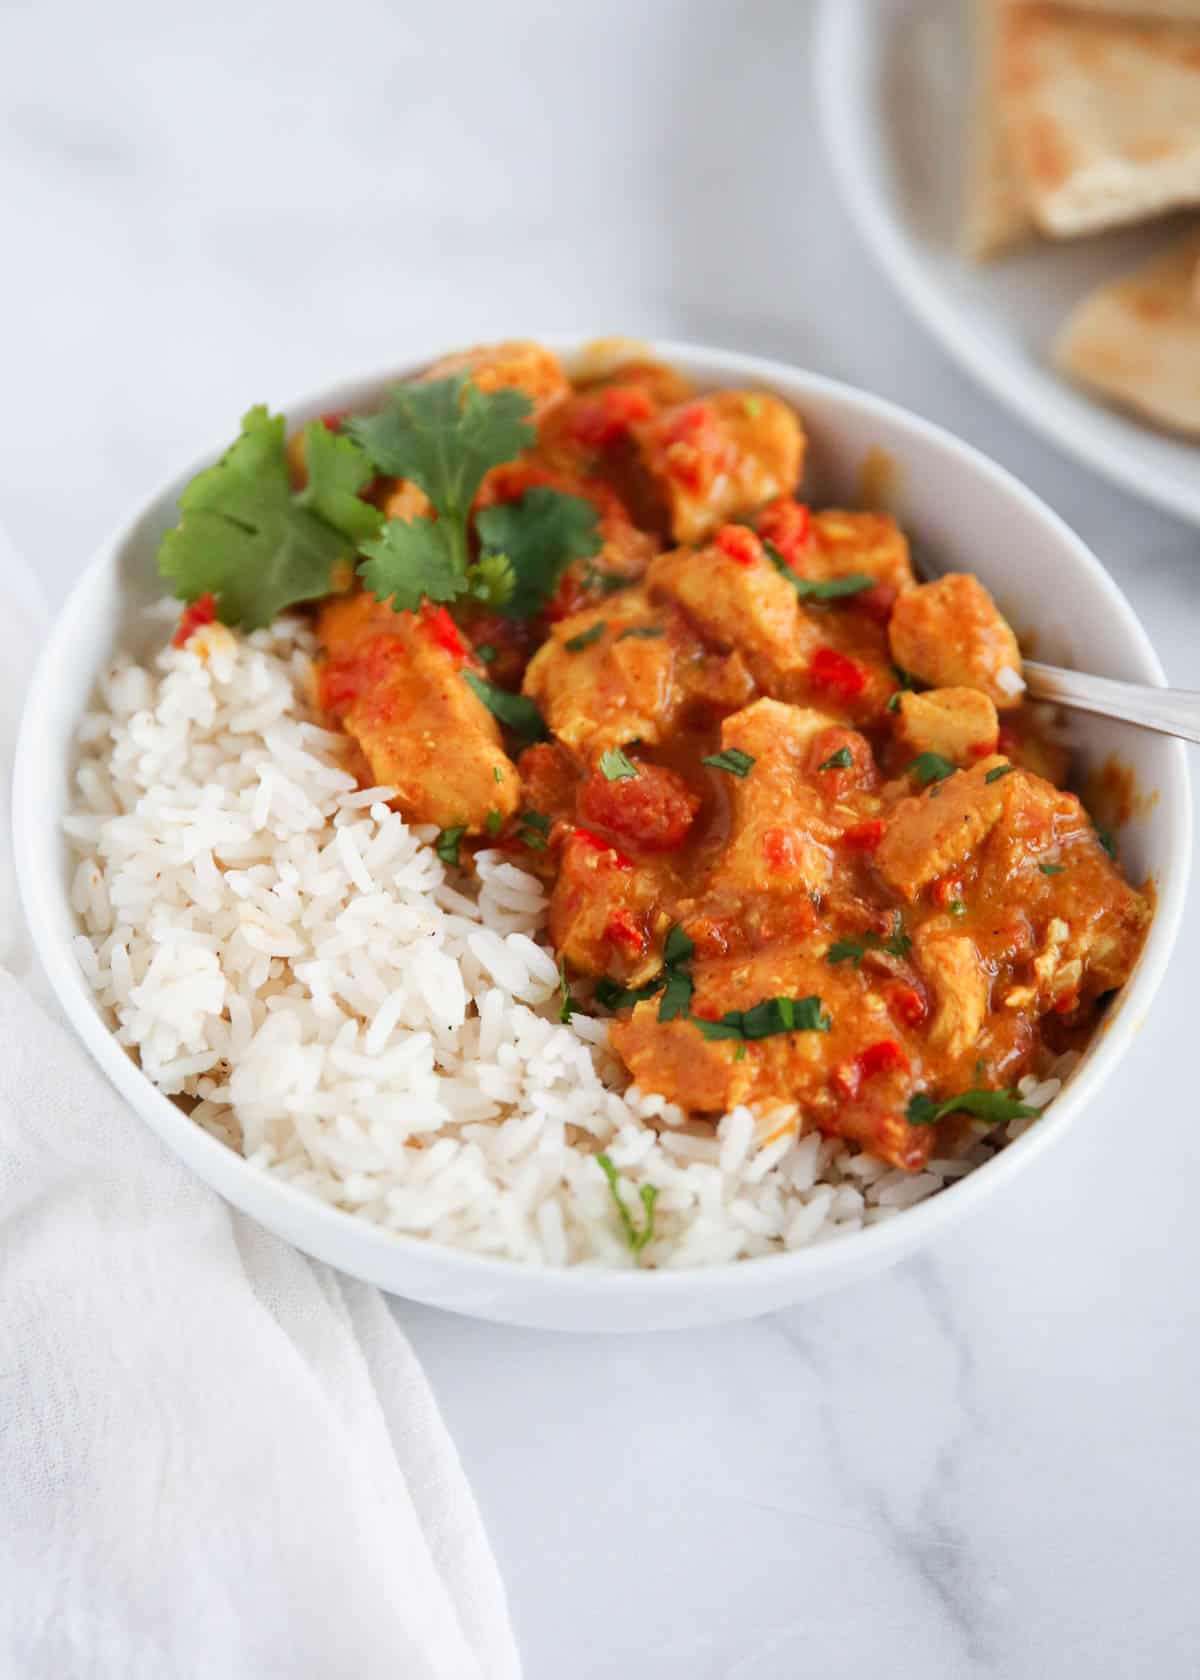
(289, 959)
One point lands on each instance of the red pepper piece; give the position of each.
(603, 419)
(905, 1004)
(738, 543)
(787, 525)
(441, 628)
(201, 611)
(884, 1057)
(832, 670)
(618, 859)
(622, 930)
(864, 836)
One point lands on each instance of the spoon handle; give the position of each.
(1172, 711)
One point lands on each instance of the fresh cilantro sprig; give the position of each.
(615, 766)
(993, 1106)
(514, 710)
(539, 535)
(248, 538)
(733, 760)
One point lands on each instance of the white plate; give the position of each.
(892, 87)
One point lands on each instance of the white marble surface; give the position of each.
(985, 1463)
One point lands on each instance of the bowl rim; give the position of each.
(375, 1254)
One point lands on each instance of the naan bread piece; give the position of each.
(1137, 339)
(1102, 114)
(996, 212)
(1180, 11)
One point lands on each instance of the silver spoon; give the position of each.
(1171, 711)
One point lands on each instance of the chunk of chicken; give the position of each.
(737, 598)
(951, 634)
(931, 833)
(606, 911)
(394, 680)
(516, 364)
(959, 724)
(952, 969)
(839, 1090)
(719, 456)
(780, 838)
(610, 675)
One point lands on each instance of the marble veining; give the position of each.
(983, 1464)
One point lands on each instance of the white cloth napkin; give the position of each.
(217, 1458)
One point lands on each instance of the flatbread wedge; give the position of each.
(1102, 114)
(1178, 11)
(1137, 339)
(996, 215)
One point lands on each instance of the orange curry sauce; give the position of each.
(775, 768)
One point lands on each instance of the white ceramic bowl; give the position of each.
(962, 512)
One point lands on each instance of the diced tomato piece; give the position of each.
(787, 525)
(876, 602)
(623, 930)
(864, 836)
(739, 543)
(602, 420)
(653, 810)
(905, 1004)
(197, 613)
(441, 628)
(332, 421)
(884, 1057)
(833, 671)
(779, 848)
(585, 837)
(692, 418)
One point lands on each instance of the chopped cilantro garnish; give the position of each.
(993, 1106)
(636, 1239)
(678, 947)
(615, 767)
(818, 589)
(676, 1000)
(532, 829)
(492, 580)
(752, 406)
(767, 1019)
(1051, 868)
(536, 819)
(739, 1055)
(585, 638)
(930, 767)
(1000, 770)
(613, 996)
(642, 633)
(486, 652)
(906, 681)
(539, 535)
(605, 582)
(259, 547)
(495, 822)
(567, 1005)
(893, 704)
(842, 759)
(497, 773)
(956, 907)
(736, 762)
(515, 710)
(1107, 841)
(447, 843)
(897, 944)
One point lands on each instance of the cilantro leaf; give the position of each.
(443, 436)
(678, 947)
(1051, 868)
(1107, 841)
(337, 470)
(409, 560)
(818, 589)
(842, 759)
(1000, 770)
(897, 944)
(930, 767)
(246, 537)
(993, 1106)
(636, 1239)
(447, 843)
(613, 996)
(567, 1005)
(768, 1019)
(585, 638)
(514, 710)
(732, 759)
(642, 633)
(615, 767)
(541, 534)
